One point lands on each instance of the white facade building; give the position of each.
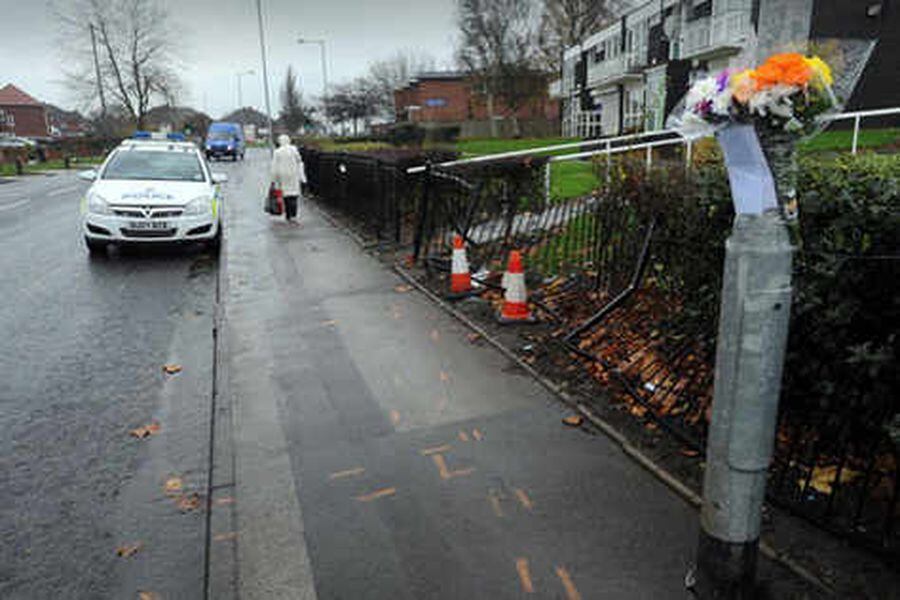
(625, 77)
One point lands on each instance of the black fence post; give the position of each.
(423, 212)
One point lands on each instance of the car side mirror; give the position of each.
(89, 175)
(219, 177)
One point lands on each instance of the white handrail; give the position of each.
(629, 148)
(857, 116)
(878, 112)
(531, 151)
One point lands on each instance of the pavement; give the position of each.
(360, 444)
(379, 453)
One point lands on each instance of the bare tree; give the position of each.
(294, 114)
(498, 42)
(135, 53)
(353, 103)
(386, 76)
(565, 23)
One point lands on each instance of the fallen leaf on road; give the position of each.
(573, 420)
(225, 537)
(145, 430)
(435, 336)
(473, 337)
(148, 596)
(189, 502)
(444, 376)
(171, 369)
(129, 549)
(402, 289)
(330, 323)
(690, 453)
(173, 486)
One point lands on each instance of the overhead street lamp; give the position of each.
(238, 77)
(321, 43)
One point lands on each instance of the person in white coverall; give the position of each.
(288, 174)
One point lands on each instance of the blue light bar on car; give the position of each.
(176, 137)
(141, 135)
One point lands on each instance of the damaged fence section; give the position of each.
(630, 278)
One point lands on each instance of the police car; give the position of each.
(152, 190)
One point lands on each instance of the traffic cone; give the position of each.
(515, 296)
(460, 277)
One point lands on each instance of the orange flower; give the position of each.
(789, 68)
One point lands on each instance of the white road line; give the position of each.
(14, 204)
(61, 191)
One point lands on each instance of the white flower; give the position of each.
(775, 100)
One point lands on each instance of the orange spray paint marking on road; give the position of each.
(524, 500)
(446, 473)
(568, 584)
(463, 436)
(435, 450)
(524, 575)
(347, 473)
(377, 494)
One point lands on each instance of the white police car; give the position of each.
(152, 191)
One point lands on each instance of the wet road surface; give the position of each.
(83, 345)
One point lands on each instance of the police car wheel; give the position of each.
(96, 247)
(215, 244)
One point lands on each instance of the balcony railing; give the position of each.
(720, 32)
(614, 68)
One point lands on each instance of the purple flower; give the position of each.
(722, 80)
(703, 108)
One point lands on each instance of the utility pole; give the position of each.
(97, 71)
(265, 69)
(753, 329)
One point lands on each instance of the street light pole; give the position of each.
(321, 43)
(265, 69)
(238, 77)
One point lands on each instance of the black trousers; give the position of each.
(290, 206)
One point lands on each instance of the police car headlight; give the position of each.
(97, 205)
(198, 206)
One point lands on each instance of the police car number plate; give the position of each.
(149, 225)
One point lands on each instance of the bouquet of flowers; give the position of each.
(786, 93)
(757, 115)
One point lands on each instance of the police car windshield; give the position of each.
(154, 164)
(220, 135)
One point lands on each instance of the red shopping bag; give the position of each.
(275, 201)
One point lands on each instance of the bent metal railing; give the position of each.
(610, 263)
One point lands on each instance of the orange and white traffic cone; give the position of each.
(515, 296)
(460, 277)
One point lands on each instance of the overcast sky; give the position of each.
(222, 40)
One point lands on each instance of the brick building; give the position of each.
(447, 99)
(24, 116)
